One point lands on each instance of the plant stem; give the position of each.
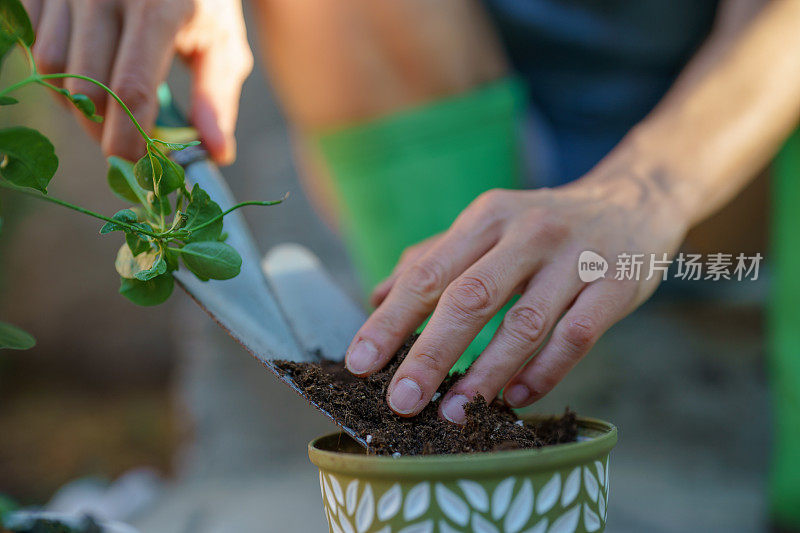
(234, 208)
(17, 85)
(77, 208)
(29, 55)
(106, 89)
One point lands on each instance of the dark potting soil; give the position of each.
(360, 403)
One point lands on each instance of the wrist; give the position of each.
(640, 174)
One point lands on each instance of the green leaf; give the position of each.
(158, 268)
(176, 147)
(85, 105)
(144, 171)
(180, 220)
(123, 182)
(156, 173)
(211, 260)
(126, 215)
(143, 266)
(30, 160)
(147, 293)
(171, 257)
(201, 209)
(13, 338)
(15, 26)
(136, 242)
(7, 100)
(159, 205)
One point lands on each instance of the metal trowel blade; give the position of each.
(295, 313)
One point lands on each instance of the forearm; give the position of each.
(723, 120)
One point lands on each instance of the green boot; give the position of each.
(405, 177)
(784, 324)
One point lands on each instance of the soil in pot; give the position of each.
(360, 403)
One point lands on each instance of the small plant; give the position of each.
(168, 223)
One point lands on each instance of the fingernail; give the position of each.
(516, 395)
(453, 408)
(405, 396)
(362, 358)
(229, 155)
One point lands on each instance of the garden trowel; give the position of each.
(285, 306)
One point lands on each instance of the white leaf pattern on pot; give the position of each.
(590, 519)
(444, 527)
(337, 489)
(481, 525)
(601, 506)
(601, 476)
(475, 494)
(572, 486)
(590, 482)
(567, 522)
(549, 494)
(334, 526)
(390, 503)
(385, 529)
(329, 494)
(417, 501)
(520, 510)
(608, 478)
(421, 527)
(366, 510)
(451, 505)
(351, 496)
(347, 527)
(502, 497)
(541, 527)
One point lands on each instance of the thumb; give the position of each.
(219, 72)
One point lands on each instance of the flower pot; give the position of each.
(561, 488)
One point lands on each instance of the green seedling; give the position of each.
(168, 223)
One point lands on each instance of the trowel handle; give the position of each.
(169, 114)
(172, 124)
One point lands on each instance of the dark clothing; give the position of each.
(595, 68)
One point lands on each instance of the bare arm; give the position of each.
(727, 114)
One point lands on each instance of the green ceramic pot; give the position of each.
(557, 489)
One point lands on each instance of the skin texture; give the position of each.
(129, 46)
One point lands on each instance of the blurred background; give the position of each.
(210, 441)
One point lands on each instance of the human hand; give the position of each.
(129, 45)
(505, 243)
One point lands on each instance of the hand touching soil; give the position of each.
(506, 243)
(360, 404)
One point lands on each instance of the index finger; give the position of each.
(142, 63)
(411, 300)
(419, 286)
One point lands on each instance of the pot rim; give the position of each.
(602, 436)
